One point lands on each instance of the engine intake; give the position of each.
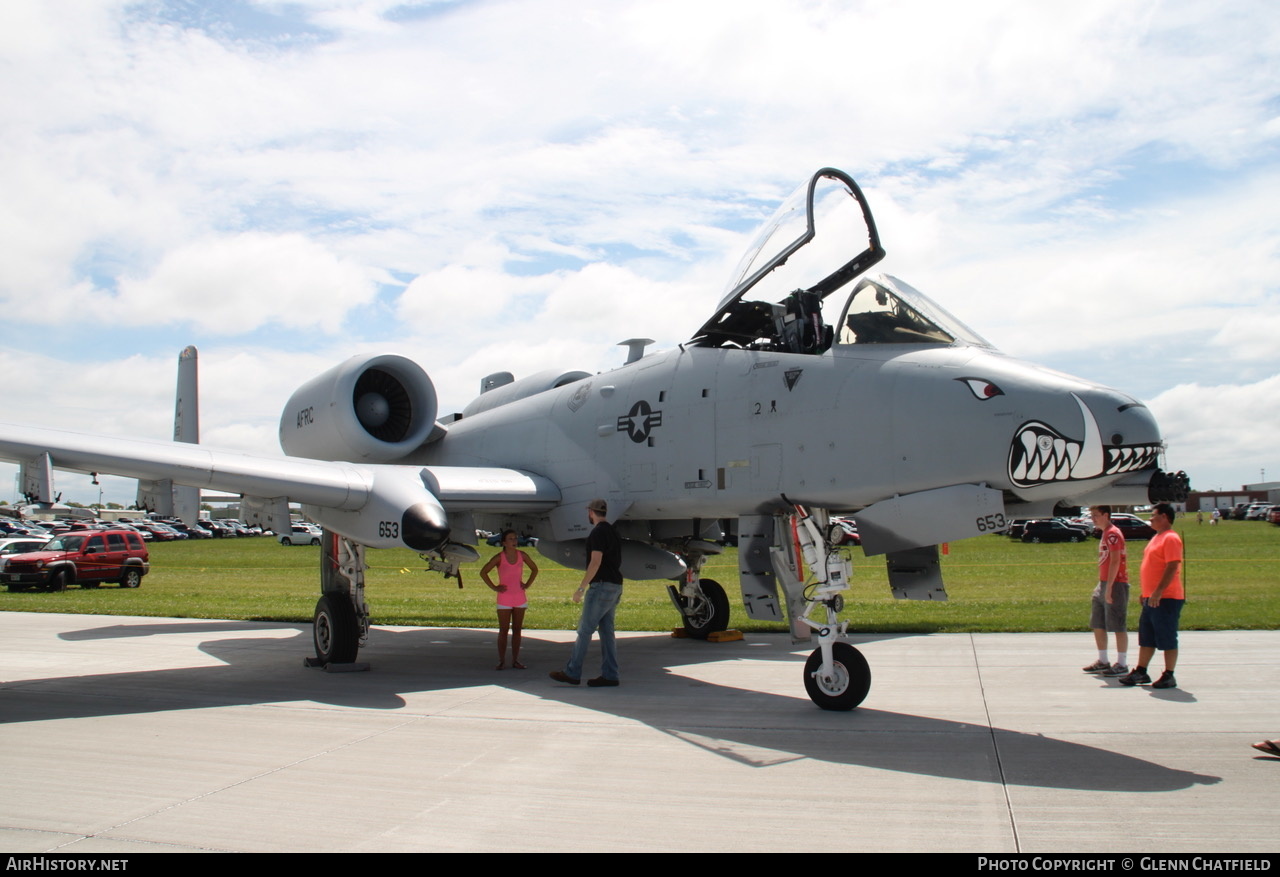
(367, 409)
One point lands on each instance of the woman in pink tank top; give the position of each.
(511, 563)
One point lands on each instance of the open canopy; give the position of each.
(821, 238)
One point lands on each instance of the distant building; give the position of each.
(1208, 500)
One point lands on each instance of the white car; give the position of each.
(19, 545)
(301, 534)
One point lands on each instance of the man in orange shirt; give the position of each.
(1162, 599)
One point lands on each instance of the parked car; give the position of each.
(1052, 531)
(192, 532)
(1131, 527)
(19, 545)
(301, 534)
(86, 559)
(217, 529)
(524, 540)
(845, 532)
(158, 532)
(1014, 530)
(21, 528)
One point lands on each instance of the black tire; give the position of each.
(1075, 539)
(132, 578)
(284, 540)
(335, 630)
(57, 582)
(852, 679)
(710, 611)
(315, 541)
(1035, 538)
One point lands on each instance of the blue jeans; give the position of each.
(598, 608)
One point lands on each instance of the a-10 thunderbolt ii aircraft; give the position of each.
(773, 416)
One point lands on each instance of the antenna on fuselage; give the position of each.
(635, 348)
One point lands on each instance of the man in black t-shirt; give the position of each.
(602, 585)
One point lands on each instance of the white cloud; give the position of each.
(1223, 435)
(241, 282)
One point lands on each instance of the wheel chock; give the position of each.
(720, 636)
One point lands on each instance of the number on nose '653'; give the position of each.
(990, 522)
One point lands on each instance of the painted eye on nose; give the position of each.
(981, 389)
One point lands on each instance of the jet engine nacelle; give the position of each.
(376, 409)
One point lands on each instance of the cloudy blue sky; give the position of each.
(487, 185)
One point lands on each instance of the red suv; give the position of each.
(84, 558)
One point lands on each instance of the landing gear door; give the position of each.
(755, 568)
(916, 574)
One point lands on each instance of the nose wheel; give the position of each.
(843, 684)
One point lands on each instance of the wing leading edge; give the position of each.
(379, 505)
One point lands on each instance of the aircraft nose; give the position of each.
(1112, 435)
(1122, 420)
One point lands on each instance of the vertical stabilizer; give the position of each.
(186, 406)
(164, 497)
(186, 428)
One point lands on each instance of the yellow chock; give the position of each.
(720, 636)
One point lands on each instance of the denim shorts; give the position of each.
(1158, 626)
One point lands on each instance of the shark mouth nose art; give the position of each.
(1040, 454)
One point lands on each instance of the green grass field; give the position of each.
(994, 583)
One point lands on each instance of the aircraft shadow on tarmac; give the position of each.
(755, 728)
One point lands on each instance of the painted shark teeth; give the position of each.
(1040, 454)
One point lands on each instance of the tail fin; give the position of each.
(164, 497)
(186, 428)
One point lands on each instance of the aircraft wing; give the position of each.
(379, 505)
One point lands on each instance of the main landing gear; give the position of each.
(340, 625)
(702, 603)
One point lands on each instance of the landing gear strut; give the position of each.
(702, 603)
(706, 610)
(340, 625)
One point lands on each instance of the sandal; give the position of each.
(502, 665)
(516, 665)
